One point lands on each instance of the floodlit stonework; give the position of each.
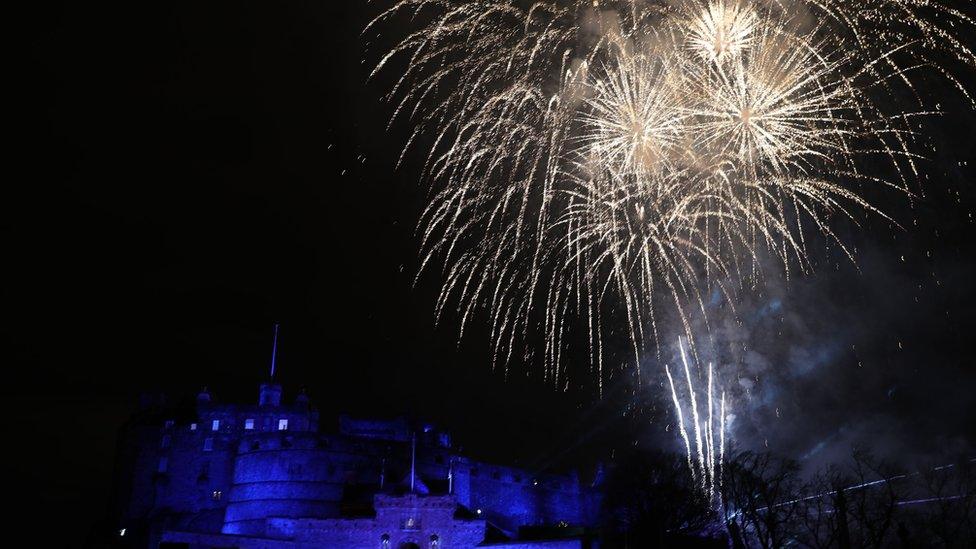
(263, 476)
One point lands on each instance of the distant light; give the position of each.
(122, 532)
(478, 511)
(193, 426)
(535, 482)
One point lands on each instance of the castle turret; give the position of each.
(270, 394)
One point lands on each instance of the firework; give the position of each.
(594, 163)
(720, 30)
(705, 457)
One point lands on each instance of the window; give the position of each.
(164, 442)
(385, 541)
(163, 464)
(249, 424)
(410, 523)
(435, 542)
(216, 495)
(215, 426)
(168, 424)
(282, 424)
(207, 444)
(193, 426)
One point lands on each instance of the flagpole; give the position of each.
(413, 461)
(274, 350)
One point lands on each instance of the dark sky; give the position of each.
(192, 173)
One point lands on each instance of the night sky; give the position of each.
(187, 175)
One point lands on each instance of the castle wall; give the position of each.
(431, 518)
(510, 498)
(279, 475)
(192, 475)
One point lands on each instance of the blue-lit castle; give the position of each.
(264, 476)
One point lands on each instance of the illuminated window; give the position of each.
(163, 464)
(249, 424)
(282, 424)
(410, 524)
(193, 426)
(168, 424)
(385, 541)
(216, 495)
(208, 444)
(435, 542)
(215, 426)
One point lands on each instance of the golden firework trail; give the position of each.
(597, 164)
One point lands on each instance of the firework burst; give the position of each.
(720, 30)
(594, 163)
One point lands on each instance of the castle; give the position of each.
(264, 476)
